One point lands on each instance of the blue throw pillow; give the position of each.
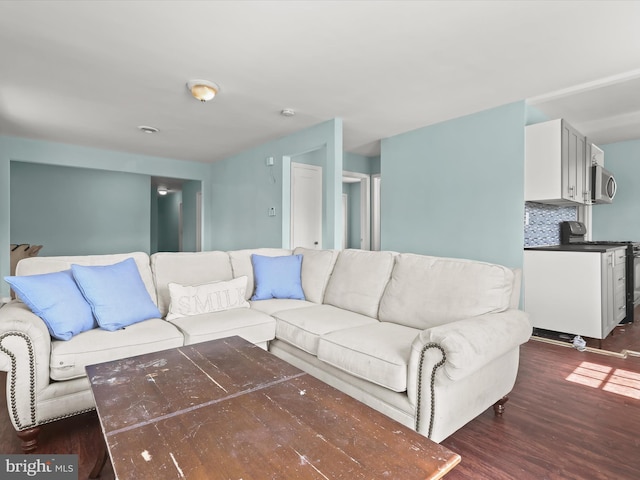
(277, 277)
(116, 293)
(56, 299)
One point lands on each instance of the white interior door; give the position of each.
(306, 205)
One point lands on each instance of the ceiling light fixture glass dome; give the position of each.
(203, 90)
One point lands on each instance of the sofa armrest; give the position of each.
(458, 349)
(25, 346)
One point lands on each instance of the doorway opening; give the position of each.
(358, 188)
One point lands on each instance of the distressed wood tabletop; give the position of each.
(226, 409)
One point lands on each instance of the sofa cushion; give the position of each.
(252, 325)
(302, 327)
(116, 293)
(187, 268)
(34, 265)
(317, 266)
(277, 277)
(241, 263)
(69, 358)
(188, 300)
(56, 298)
(278, 304)
(358, 281)
(378, 353)
(427, 291)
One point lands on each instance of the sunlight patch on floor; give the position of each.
(618, 381)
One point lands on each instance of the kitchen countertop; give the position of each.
(576, 248)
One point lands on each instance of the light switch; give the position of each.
(272, 211)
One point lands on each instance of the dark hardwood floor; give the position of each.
(624, 339)
(571, 415)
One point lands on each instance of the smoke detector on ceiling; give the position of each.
(147, 129)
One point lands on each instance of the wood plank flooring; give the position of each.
(571, 415)
(624, 339)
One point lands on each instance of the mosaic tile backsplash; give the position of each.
(544, 223)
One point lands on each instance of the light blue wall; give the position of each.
(353, 207)
(621, 219)
(169, 222)
(353, 162)
(534, 115)
(190, 190)
(457, 188)
(13, 149)
(79, 211)
(244, 188)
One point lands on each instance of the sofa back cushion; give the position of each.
(38, 265)
(241, 263)
(427, 291)
(358, 281)
(317, 266)
(188, 269)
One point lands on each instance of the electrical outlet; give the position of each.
(272, 211)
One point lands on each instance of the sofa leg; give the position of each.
(29, 439)
(498, 407)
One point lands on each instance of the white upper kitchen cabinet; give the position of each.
(557, 167)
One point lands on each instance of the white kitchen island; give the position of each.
(578, 290)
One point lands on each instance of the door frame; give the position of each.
(345, 221)
(375, 211)
(365, 204)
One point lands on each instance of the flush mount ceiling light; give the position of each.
(203, 90)
(162, 190)
(287, 112)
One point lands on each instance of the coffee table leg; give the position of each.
(100, 461)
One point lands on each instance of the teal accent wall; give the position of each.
(456, 189)
(620, 220)
(14, 149)
(190, 189)
(153, 198)
(353, 208)
(353, 162)
(79, 211)
(535, 115)
(169, 222)
(244, 188)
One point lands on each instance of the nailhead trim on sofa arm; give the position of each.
(32, 388)
(432, 385)
(12, 384)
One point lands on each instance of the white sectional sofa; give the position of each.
(431, 342)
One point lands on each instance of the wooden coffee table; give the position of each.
(226, 409)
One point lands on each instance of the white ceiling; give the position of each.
(90, 72)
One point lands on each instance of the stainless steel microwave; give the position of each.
(603, 185)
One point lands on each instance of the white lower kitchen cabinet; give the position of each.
(575, 292)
